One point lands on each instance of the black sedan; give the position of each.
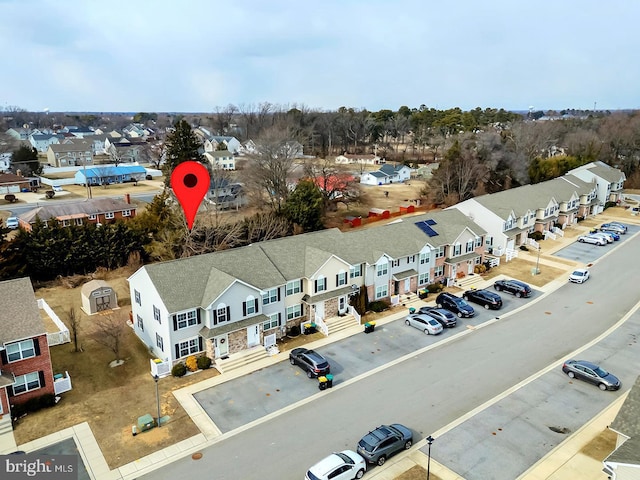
(486, 298)
(592, 373)
(514, 287)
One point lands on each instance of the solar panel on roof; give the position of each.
(430, 221)
(426, 229)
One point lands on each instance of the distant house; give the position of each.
(42, 141)
(25, 361)
(223, 159)
(10, 183)
(248, 148)
(108, 174)
(624, 462)
(70, 154)
(5, 162)
(94, 210)
(610, 180)
(231, 143)
(20, 133)
(358, 158)
(387, 174)
(79, 132)
(225, 195)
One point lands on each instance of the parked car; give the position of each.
(345, 465)
(611, 233)
(442, 316)
(12, 223)
(485, 298)
(580, 275)
(423, 322)
(311, 361)
(616, 226)
(379, 444)
(608, 238)
(515, 287)
(592, 239)
(592, 373)
(455, 304)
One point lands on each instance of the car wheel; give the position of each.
(309, 374)
(293, 362)
(581, 240)
(407, 444)
(466, 297)
(518, 294)
(407, 323)
(486, 306)
(602, 386)
(426, 331)
(381, 460)
(459, 314)
(497, 287)
(571, 375)
(360, 473)
(439, 305)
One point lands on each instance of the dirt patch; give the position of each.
(417, 473)
(600, 447)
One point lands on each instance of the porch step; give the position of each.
(467, 282)
(239, 360)
(5, 425)
(335, 324)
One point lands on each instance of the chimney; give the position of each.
(127, 198)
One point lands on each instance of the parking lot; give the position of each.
(588, 253)
(241, 401)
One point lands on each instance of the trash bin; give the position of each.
(369, 327)
(329, 378)
(412, 310)
(322, 383)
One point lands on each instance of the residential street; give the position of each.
(439, 384)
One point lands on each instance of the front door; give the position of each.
(253, 335)
(319, 311)
(102, 303)
(221, 345)
(407, 285)
(342, 304)
(396, 288)
(470, 266)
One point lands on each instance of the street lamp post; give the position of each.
(429, 440)
(156, 378)
(538, 262)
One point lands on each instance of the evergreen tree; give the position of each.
(25, 159)
(181, 145)
(304, 206)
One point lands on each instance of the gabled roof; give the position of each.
(602, 170)
(219, 154)
(627, 422)
(12, 179)
(391, 169)
(70, 147)
(93, 206)
(19, 315)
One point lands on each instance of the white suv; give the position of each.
(592, 239)
(345, 465)
(12, 223)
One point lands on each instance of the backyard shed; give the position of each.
(379, 212)
(407, 209)
(353, 221)
(98, 296)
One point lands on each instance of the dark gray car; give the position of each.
(310, 361)
(379, 444)
(592, 373)
(442, 316)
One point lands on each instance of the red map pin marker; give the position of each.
(190, 182)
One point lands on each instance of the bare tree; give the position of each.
(114, 155)
(110, 328)
(74, 326)
(268, 171)
(335, 182)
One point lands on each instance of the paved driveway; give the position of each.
(588, 253)
(240, 401)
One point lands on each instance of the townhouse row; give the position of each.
(229, 301)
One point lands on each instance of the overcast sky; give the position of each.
(194, 55)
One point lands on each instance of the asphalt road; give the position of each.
(430, 389)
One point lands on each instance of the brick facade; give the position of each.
(39, 363)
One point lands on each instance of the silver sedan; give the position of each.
(426, 323)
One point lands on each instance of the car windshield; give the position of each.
(345, 458)
(312, 476)
(601, 372)
(459, 302)
(433, 322)
(578, 273)
(366, 446)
